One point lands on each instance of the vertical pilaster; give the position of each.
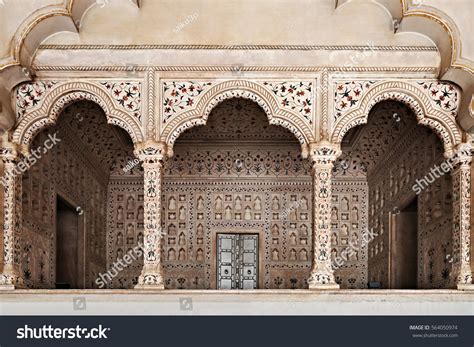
(11, 276)
(461, 176)
(323, 157)
(152, 154)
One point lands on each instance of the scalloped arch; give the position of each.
(444, 125)
(62, 96)
(237, 89)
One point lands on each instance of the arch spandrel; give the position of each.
(260, 93)
(55, 97)
(419, 97)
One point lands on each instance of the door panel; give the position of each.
(237, 261)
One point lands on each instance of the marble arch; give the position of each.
(237, 89)
(443, 124)
(428, 21)
(58, 98)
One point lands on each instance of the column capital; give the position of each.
(9, 153)
(463, 154)
(324, 153)
(150, 151)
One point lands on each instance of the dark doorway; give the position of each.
(67, 246)
(404, 248)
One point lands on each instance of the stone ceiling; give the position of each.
(237, 120)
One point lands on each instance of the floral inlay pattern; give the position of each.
(444, 96)
(348, 94)
(29, 95)
(297, 96)
(127, 95)
(179, 96)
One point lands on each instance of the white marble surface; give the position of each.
(258, 302)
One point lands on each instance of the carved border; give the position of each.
(250, 68)
(62, 95)
(238, 47)
(443, 124)
(237, 89)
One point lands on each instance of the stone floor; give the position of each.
(254, 302)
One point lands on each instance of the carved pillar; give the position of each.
(322, 274)
(152, 154)
(461, 174)
(11, 276)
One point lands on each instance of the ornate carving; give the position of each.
(150, 125)
(296, 96)
(151, 154)
(30, 95)
(126, 95)
(323, 158)
(461, 175)
(241, 47)
(11, 276)
(444, 95)
(412, 95)
(347, 96)
(324, 131)
(60, 96)
(181, 96)
(237, 89)
(221, 68)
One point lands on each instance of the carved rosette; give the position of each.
(461, 174)
(323, 158)
(11, 276)
(151, 155)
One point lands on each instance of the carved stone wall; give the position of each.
(230, 176)
(125, 228)
(77, 168)
(237, 174)
(349, 232)
(67, 172)
(395, 153)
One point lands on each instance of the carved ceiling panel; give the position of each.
(365, 146)
(238, 119)
(110, 147)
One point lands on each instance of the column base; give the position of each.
(10, 280)
(327, 286)
(149, 287)
(466, 287)
(151, 281)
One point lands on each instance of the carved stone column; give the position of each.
(11, 276)
(323, 157)
(461, 174)
(152, 154)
